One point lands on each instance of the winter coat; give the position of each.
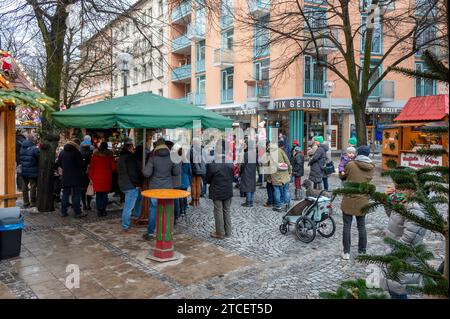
(161, 170)
(101, 170)
(280, 177)
(129, 173)
(317, 163)
(360, 170)
(19, 140)
(86, 155)
(247, 172)
(71, 163)
(186, 176)
(407, 232)
(343, 162)
(29, 158)
(298, 162)
(219, 176)
(198, 163)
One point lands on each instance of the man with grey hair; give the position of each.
(29, 161)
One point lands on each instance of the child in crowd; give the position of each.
(346, 157)
(298, 170)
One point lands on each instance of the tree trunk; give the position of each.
(45, 189)
(359, 110)
(446, 257)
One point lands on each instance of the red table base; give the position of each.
(164, 250)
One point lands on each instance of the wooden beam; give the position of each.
(10, 157)
(10, 196)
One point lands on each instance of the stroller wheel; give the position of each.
(283, 229)
(305, 229)
(327, 227)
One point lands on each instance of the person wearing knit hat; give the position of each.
(346, 157)
(359, 170)
(352, 141)
(319, 139)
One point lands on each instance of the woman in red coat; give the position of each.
(100, 173)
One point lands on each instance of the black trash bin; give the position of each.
(10, 236)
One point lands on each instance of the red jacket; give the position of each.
(101, 169)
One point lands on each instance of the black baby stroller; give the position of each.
(308, 216)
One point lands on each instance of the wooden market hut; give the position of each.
(402, 139)
(12, 78)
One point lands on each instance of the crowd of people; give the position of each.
(84, 171)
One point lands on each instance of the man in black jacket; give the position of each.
(20, 138)
(130, 182)
(29, 160)
(70, 161)
(219, 176)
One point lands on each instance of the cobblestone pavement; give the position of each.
(256, 262)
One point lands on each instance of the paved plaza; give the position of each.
(256, 262)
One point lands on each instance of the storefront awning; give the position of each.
(425, 108)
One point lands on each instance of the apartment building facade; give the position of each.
(218, 64)
(145, 38)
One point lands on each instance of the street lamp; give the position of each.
(329, 87)
(123, 64)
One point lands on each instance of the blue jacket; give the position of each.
(29, 158)
(186, 176)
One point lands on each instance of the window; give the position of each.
(226, 14)
(425, 39)
(160, 8)
(377, 34)
(227, 39)
(376, 69)
(424, 86)
(317, 18)
(261, 75)
(200, 57)
(426, 8)
(161, 92)
(150, 71)
(227, 85)
(144, 73)
(160, 66)
(160, 36)
(149, 18)
(134, 76)
(385, 4)
(314, 77)
(199, 96)
(262, 38)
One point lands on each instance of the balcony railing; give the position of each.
(226, 95)
(223, 58)
(313, 87)
(258, 8)
(196, 98)
(226, 21)
(181, 45)
(258, 90)
(200, 66)
(196, 31)
(181, 73)
(324, 45)
(182, 13)
(385, 90)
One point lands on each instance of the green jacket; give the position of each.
(280, 178)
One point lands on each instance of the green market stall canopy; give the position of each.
(142, 110)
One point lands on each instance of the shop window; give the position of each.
(424, 87)
(314, 77)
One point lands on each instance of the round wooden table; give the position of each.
(164, 249)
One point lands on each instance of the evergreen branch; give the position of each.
(431, 151)
(436, 187)
(444, 170)
(434, 129)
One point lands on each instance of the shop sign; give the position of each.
(414, 160)
(245, 112)
(385, 110)
(296, 104)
